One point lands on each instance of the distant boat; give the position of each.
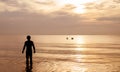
(67, 38)
(72, 38)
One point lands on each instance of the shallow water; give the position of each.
(62, 53)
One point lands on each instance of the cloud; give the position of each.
(32, 6)
(6, 7)
(35, 23)
(46, 17)
(117, 1)
(114, 19)
(104, 10)
(24, 23)
(103, 5)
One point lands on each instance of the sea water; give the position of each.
(80, 53)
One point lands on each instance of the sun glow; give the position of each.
(79, 10)
(79, 4)
(54, 5)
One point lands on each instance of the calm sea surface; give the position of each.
(78, 49)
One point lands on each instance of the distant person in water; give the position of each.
(28, 45)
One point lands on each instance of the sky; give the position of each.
(59, 17)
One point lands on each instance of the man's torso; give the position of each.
(28, 45)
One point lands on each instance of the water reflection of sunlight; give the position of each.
(81, 69)
(78, 58)
(79, 49)
(79, 43)
(79, 40)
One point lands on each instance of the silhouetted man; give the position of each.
(28, 45)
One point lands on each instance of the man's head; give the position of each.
(28, 37)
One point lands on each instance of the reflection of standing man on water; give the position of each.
(28, 45)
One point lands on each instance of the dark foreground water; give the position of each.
(62, 53)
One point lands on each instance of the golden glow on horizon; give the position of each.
(79, 40)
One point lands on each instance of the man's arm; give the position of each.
(23, 48)
(34, 48)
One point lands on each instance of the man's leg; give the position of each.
(27, 57)
(31, 59)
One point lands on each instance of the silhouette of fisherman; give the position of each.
(28, 45)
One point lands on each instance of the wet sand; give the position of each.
(56, 65)
(47, 60)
